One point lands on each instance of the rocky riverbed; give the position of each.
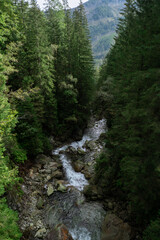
(53, 205)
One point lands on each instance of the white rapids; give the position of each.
(76, 179)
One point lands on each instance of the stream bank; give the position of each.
(53, 206)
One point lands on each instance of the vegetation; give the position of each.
(102, 18)
(129, 168)
(46, 86)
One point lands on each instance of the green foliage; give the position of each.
(131, 100)
(18, 154)
(102, 21)
(8, 223)
(46, 85)
(152, 232)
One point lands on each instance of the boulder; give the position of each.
(71, 150)
(91, 192)
(43, 159)
(87, 175)
(114, 228)
(62, 188)
(40, 233)
(50, 190)
(102, 137)
(40, 203)
(78, 166)
(80, 151)
(60, 232)
(57, 174)
(90, 145)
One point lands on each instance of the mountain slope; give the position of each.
(102, 18)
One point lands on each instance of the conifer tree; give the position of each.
(82, 61)
(131, 160)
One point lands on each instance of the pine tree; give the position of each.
(82, 61)
(132, 158)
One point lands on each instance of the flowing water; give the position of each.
(83, 219)
(75, 179)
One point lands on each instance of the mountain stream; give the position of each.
(83, 219)
(53, 190)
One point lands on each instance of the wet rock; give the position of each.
(102, 137)
(78, 166)
(31, 173)
(45, 171)
(91, 192)
(80, 151)
(59, 233)
(38, 166)
(39, 224)
(43, 159)
(48, 171)
(91, 145)
(52, 164)
(115, 229)
(40, 203)
(62, 188)
(48, 177)
(59, 165)
(87, 175)
(57, 174)
(62, 152)
(71, 150)
(40, 233)
(88, 170)
(50, 190)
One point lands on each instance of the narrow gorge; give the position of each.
(53, 204)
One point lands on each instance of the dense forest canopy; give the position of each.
(129, 90)
(46, 85)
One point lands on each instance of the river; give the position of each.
(83, 219)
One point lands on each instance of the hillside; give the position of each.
(102, 19)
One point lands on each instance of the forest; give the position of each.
(49, 87)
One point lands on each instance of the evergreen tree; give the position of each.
(82, 61)
(131, 161)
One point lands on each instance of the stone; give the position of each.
(62, 188)
(91, 192)
(40, 203)
(48, 178)
(43, 159)
(87, 175)
(89, 163)
(57, 174)
(31, 173)
(59, 165)
(110, 205)
(71, 150)
(52, 164)
(50, 190)
(102, 137)
(78, 166)
(80, 151)
(48, 171)
(40, 233)
(91, 145)
(39, 224)
(60, 232)
(114, 228)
